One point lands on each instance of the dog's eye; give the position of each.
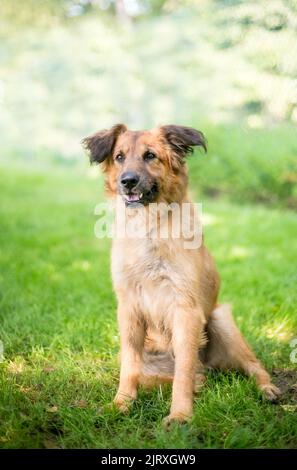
(149, 156)
(119, 157)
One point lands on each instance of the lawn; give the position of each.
(58, 322)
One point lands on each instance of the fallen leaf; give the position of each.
(80, 404)
(52, 409)
(48, 369)
(50, 443)
(290, 408)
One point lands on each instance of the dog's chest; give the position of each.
(142, 261)
(151, 274)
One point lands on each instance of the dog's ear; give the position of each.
(182, 139)
(101, 144)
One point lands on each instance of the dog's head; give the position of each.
(144, 166)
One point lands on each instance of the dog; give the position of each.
(171, 327)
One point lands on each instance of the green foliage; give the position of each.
(215, 61)
(248, 165)
(32, 12)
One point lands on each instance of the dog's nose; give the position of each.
(129, 179)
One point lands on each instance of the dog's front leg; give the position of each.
(187, 330)
(132, 334)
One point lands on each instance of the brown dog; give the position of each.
(170, 325)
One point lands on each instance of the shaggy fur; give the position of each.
(170, 325)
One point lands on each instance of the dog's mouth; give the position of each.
(132, 198)
(136, 197)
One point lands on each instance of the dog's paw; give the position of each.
(270, 392)
(178, 418)
(122, 403)
(123, 407)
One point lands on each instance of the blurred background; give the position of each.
(71, 67)
(228, 67)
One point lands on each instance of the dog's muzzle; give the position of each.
(134, 191)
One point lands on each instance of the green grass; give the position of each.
(58, 322)
(255, 165)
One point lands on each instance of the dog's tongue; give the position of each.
(132, 197)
